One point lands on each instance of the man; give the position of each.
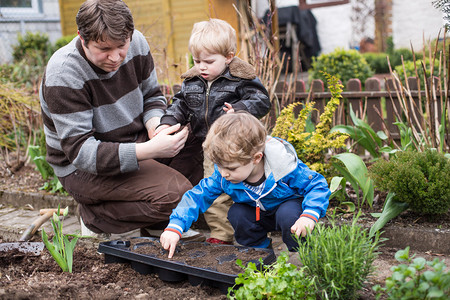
(101, 102)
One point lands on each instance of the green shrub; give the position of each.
(410, 69)
(420, 279)
(377, 62)
(344, 64)
(340, 257)
(32, 42)
(421, 179)
(395, 57)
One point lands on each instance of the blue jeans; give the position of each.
(251, 233)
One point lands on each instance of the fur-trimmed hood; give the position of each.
(237, 68)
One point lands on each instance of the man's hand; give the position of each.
(169, 240)
(165, 144)
(228, 108)
(299, 227)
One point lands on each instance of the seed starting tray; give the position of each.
(170, 270)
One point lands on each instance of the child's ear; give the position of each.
(229, 58)
(257, 157)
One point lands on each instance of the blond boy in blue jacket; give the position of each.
(271, 188)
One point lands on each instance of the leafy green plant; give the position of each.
(377, 61)
(391, 209)
(354, 170)
(421, 179)
(281, 280)
(61, 248)
(31, 42)
(417, 279)
(409, 69)
(312, 146)
(363, 134)
(340, 257)
(52, 184)
(344, 64)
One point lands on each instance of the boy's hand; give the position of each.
(160, 128)
(169, 241)
(228, 108)
(299, 227)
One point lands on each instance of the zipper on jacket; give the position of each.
(207, 105)
(257, 211)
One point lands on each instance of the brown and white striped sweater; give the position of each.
(92, 118)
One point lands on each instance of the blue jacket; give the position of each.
(286, 178)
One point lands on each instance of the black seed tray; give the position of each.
(169, 270)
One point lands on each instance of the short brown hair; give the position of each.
(235, 137)
(214, 36)
(99, 20)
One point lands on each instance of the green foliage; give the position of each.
(37, 154)
(391, 209)
(340, 257)
(395, 57)
(280, 280)
(418, 279)
(377, 61)
(62, 41)
(344, 64)
(421, 179)
(410, 68)
(312, 146)
(61, 248)
(354, 170)
(35, 43)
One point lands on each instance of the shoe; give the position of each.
(188, 236)
(217, 241)
(86, 232)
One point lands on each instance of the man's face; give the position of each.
(107, 55)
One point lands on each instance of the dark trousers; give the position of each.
(251, 233)
(143, 198)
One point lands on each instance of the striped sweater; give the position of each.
(92, 118)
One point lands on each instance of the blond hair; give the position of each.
(235, 137)
(214, 36)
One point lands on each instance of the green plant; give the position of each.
(418, 279)
(391, 209)
(281, 280)
(409, 69)
(31, 42)
(61, 248)
(340, 257)
(395, 56)
(37, 154)
(344, 64)
(363, 134)
(377, 61)
(354, 170)
(312, 145)
(421, 179)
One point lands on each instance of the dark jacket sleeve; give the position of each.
(177, 111)
(254, 98)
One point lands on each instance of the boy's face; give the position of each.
(236, 172)
(107, 55)
(210, 66)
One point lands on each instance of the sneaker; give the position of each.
(217, 241)
(188, 236)
(86, 232)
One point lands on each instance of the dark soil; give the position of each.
(39, 277)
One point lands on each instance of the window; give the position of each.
(18, 8)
